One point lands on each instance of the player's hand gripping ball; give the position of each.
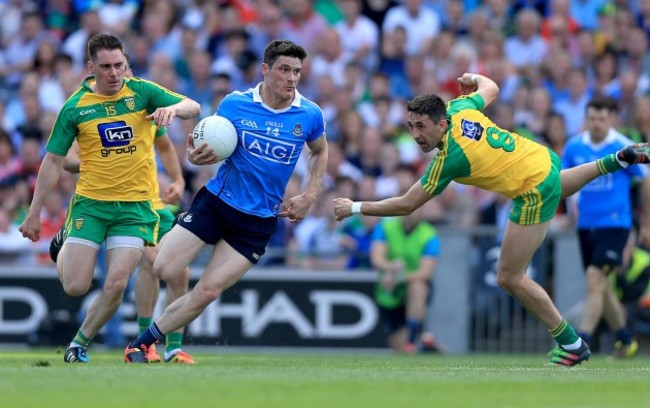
(219, 134)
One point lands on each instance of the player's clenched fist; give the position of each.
(342, 208)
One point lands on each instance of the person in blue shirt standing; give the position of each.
(238, 209)
(605, 220)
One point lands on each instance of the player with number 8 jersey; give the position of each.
(477, 152)
(473, 150)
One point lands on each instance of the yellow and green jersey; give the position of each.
(115, 141)
(477, 152)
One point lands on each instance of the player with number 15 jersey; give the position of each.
(115, 141)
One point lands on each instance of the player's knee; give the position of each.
(73, 287)
(506, 282)
(165, 271)
(115, 287)
(204, 296)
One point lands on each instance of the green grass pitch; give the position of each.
(39, 378)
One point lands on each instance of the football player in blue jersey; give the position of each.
(605, 221)
(237, 210)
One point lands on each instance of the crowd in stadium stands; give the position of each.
(366, 58)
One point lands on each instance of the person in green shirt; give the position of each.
(404, 251)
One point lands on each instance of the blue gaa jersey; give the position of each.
(254, 178)
(605, 201)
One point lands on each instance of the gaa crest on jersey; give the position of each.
(472, 130)
(79, 223)
(130, 103)
(297, 130)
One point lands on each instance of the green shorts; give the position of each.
(539, 204)
(166, 221)
(94, 220)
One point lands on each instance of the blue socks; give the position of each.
(148, 337)
(414, 327)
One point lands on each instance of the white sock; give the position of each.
(573, 346)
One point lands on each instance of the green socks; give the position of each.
(564, 334)
(144, 323)
(174, 341)
(81, 339)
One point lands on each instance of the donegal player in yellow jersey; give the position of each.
(110, 118)
(147, 284)
(474, 151)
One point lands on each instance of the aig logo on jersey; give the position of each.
(268, 148)
(116, 137)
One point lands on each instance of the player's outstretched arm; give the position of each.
(483, 85)
(414, 198)
(48, 176)
(297, 207)
(185, 109)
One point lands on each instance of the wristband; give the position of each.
(356, 207)
(472, 79)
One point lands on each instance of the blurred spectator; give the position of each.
(405, 251)
(267, 28)
(573, 109)
(376, 11)
(332, 60)
(117, 15)
(75, 44)
(303, 25)
(337, 166)
(585, 13)
(370, 147)
(319, 238)
(421, 24)
(360, 35)
(9, 163)
(499, 16)
(560, 14)
(526, 50)
(236, 44)
(554, 135)
(197, 85)
(19, 53)
(13, 247)
(455, 19)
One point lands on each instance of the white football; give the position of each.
(219, 133)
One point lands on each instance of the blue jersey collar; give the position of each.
(257, 98)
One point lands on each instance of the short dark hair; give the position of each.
(103, 42)
(428, 104)
(283, 48)
(603, 102)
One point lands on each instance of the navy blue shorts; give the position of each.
(603, 247)
(210, 219)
